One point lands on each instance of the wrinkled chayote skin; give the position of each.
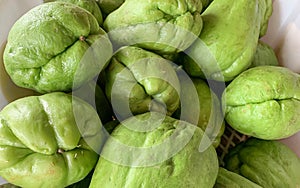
(188, 167)
(228, 179)
(267, 163)
(139, 81)
(89, 5)
(264, 102)
(55, 46)
(229, 37)
(264, 55)
(108, 6)
(50, 140)
(164, 26)
(210, 117)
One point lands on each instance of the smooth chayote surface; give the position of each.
(89, 5)
(267, 163)
(162, 167)
(229, 37)
(55, 46)
(95, 96)
(264, 102)
(208, 112)
(139, 81)
(228, 179)
(264, 55)
(108, 6)
(52, 140)
(164, 26)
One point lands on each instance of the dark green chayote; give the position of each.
(267, 163)
(52, 140)
(56, 46)
(139, 81)
(94, 95)
(228, 179)
(167, 156)
(229, 38)
(108, 6)
(89, 5)
(164, 26)
(264, 102)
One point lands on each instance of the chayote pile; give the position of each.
(139, 93)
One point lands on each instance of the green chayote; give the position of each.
(228, 179)
(207, 115)
(108, 6)
(164, 26)
(267, 163)
(139, 81)
(264, 102)
(55, 46)
(94, 95)
(229, 38)
(89, 5)
(168, 156)
(264, 55)
(50, 140)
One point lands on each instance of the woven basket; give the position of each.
(229, 140)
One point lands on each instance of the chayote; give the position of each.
(56, 46)
(164, 26)
(95, 96)
(267, 163)
(264, 102)
(167, 156)
(139, 81)
(108, 6)
(229, 38)
(52, 140)
(264, 55)
(228, 179)
(89, 5)
(207, 115)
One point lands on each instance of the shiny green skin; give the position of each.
(210, 117)
(264, 55)
(228, 179)
(164, 26)
(229, 37)
(89, 5)
(108, 6)
(46, 46)
(267, 163)
(187, 168)
(43, 145)
(264, 102)
(138, 77)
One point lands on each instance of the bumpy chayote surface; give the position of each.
(168, 156)
(139, 81)
(164, 26)
(265, 162)
(52, 140)
(264, 102)
(56, 46)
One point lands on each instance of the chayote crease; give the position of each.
(267, 163)
(56, 46)
(139, 81)
(52, 140)
(164, 26)
(264, 102)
